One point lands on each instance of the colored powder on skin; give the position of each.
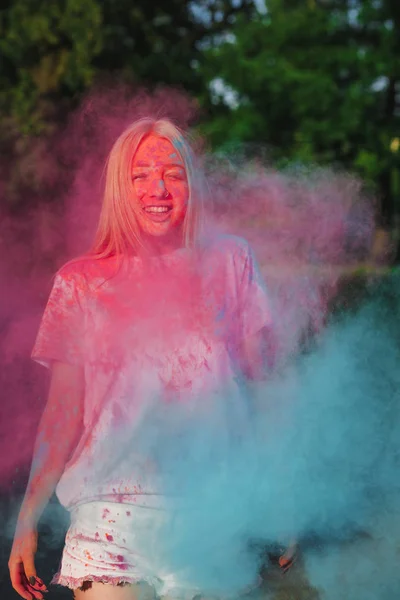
(42, 452)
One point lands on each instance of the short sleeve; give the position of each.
(61, 332)
(255, 305)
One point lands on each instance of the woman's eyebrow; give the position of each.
(143, 165)
(175, 165)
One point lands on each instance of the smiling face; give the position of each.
(160, 185)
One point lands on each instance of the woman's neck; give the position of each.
(158, 246)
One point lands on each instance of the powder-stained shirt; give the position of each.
(156, 333)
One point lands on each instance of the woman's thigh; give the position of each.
(107, 591)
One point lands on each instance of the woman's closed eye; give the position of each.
(175, 175)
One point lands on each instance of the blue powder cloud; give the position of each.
(312, 455)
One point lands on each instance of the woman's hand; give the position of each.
(22, 564)
(289, 556)
(59, 431)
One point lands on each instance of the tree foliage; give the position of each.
(52, 52)
(315, 81)
(47, 50)
(312, 80)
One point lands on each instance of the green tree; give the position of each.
(47, 50)
(315, 81)
(52, 51)
(160, 42)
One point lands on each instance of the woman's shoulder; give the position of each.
(228, 245)
(89, 269)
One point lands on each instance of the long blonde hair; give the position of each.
(118, 232)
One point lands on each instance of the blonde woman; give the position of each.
(133, 320)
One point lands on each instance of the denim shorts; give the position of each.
(104, 544)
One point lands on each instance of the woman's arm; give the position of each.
(259, 354)
(59, 431)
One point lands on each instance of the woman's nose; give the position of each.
(157, 188)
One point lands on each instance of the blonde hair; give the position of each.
(118, 232)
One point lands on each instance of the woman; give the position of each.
(131, 322)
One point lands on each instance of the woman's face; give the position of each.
(161, 187)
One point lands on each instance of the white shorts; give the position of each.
(102, 545)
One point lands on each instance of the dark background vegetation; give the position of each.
(311, 80)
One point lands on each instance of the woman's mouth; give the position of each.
(158, 213)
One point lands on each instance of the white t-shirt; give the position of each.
(148, 334)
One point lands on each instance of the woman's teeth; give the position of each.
(157, 209)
